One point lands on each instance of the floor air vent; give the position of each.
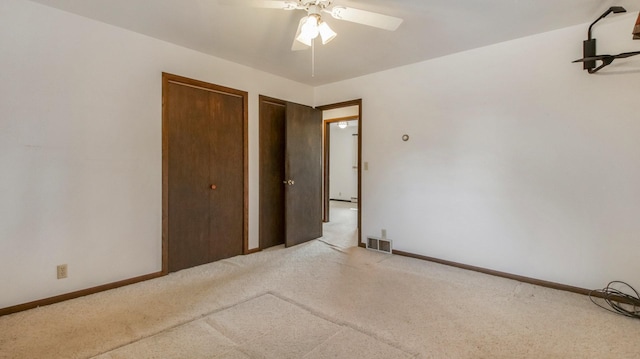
(380, 244)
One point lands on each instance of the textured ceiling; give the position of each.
(261, 38)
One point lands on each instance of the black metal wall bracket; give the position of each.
(589, 56)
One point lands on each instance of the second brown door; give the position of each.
(290, 173)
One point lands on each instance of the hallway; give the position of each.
(341, 230)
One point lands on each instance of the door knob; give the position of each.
(214, 187)
(289, 182)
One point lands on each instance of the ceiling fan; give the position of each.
(312, 25)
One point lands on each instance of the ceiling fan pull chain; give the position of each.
(313, 58)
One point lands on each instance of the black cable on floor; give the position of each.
(618, 301)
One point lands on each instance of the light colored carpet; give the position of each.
(323, 299)
(263, 327)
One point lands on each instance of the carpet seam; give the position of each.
(202, 316)
(343, 323)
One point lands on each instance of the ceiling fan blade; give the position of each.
(366, 17)
(297, 45)
(268, 4)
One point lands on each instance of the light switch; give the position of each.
(366, 166)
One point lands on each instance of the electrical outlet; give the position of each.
(384, 234)
(62, 271)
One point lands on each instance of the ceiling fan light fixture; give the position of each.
(304, 40)
(326, 33)
(310, 27)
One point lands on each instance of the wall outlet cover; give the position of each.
(62, 271)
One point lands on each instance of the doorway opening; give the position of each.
(342, 161)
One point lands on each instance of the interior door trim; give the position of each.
(357, 102)
(263, 99)
(175, 79)
(228, 91)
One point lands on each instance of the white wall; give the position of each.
(518, 160)
(340, 112)
(80, 147)
(343, 177)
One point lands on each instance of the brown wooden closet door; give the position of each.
(205, 140)
(272, 144)
(226, 174)
(189, 161)
(303, 166)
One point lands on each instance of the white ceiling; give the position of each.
(261, 38)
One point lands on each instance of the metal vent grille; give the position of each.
(380, 244)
